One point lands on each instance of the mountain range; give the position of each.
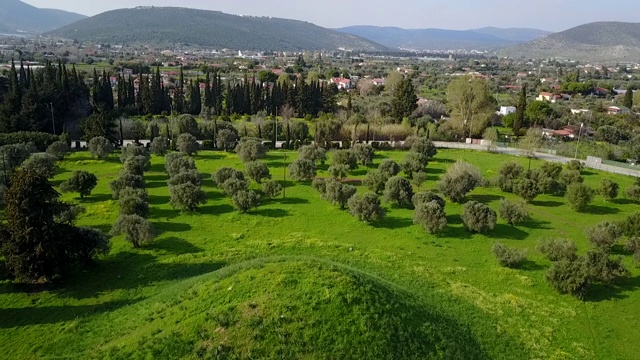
(17, 17)
(171, 26)
(489, 38)
(599, 41)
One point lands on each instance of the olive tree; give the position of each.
(633, 192)
(245, 200)
(364, 153)
(225, 173)
(366, 208)
(186, 197)
(137, 165)
(314, 153)
(338, 171)
(509, 257)
(59, 149)
(234, 185)
(271, 189)
(375, 180)
(527, 189)
(320, 185)
(421, 145)
(558, 249)
(159, 145)
(100, 147)
(345, 157)
(187, 144)
(510, 172)
(132, 150)
(133, 205)
(604, 235)
(250, 150)
(513, 213)
(398, 190)
(389, 167)
(478, 217)
(608, 189)
(413, 162)
(176, 163)
(302, 170)
(579, 196)
(459, 180)
(82, 182)
(124, 181)
(338, 193)
(427, 197)
(257, 171)
(186, 176)
(41, 163)
(137, 230)
(430, 215)
(226, 139)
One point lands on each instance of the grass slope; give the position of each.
(172, 297)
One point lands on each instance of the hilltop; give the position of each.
(18, 17)
(599, 41)
(167, 25)
(441, 39)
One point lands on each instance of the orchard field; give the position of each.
(298, 278)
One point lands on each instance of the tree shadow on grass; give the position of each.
(455, 232)
(271, 213)
(619, 249)
(216, 209)
(541, 203)
(158, 200)
(158, 168)
(168, 226)
(536, 224)
(166, 214)
(209, 155)
(601, 210)
(529, 265)
(502, 231)
(156, 184)
(485, 198)
(153, 178)
(391, 222)
(359, 172)
(623, 202)
(618, 290)
(18, 317)
(175, 246)
(93, 199)
(290, 201)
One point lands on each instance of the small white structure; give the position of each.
(506, 110)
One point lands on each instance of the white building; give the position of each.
(506, 110)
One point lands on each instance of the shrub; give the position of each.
(225, 173)
(100, 147)
(608, 189)
(478, 217)
(124, 181)
(579, 196)
(398, 190)
(14, 155)
(245, 200)
(271, 189)
(366, 208)
(40, 140)
(187, 144)
(159, 145)
(375, 180)
(338, 193)
(338, 171)
(509, 257)
(133, 205)
(631, 225)
(421, 145)
(176, 163)
(527, 189)
(187, 176)
(575, 165)
(569, 277)
(389, 167)
(130, 151)
(413, 163)
(314, 153)
(139, 193)
(257, 171)
(510, 172)
(545, 183)
(186, 197)
(59, 149)
(633, 245)
(459, 180)
(137, 165)
(551, 170)
(41, 163)
(419, 178)
(137, 230)
(250, 150)
(633, 192)
(604, 235)
(94, 243)
(82, 182)
(364, 153)
(302, 170)
(568, 177)
(427, 197)
(345, 157)
(226, 139)
(512, 213)
(320, 185)
(233, 185)
(558, 249)
(603, 268)
(431, 216)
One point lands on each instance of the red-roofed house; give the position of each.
(547, 96)
(342, 83)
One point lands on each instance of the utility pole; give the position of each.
(578, 144)
(275, 126)
(284, 185)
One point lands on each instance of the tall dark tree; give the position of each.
(519, 120)
(627, 101)
(404, 101)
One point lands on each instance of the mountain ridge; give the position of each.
(177, 25)
(19, 17)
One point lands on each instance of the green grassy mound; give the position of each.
(280, 309)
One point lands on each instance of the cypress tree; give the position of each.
(519, 121)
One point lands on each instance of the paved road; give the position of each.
(541, 156)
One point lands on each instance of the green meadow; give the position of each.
(297, 278)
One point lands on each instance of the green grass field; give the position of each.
(299, 279)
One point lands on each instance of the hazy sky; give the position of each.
(553, 15)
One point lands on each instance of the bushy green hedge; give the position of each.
(39, 139)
